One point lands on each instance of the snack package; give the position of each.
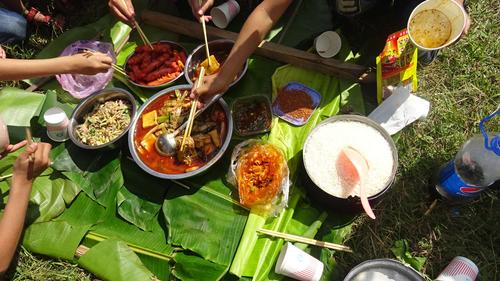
(396, 65)
(260, 172)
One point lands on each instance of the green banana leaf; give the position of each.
(114, 260)
(18, 107)
(192, 268)
(54, 238)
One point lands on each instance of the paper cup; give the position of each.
(418, 24)
(459, 269)
(328, 44)
(223, 14)
(4, 136)
(297, 264)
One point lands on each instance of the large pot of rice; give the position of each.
(321, 151)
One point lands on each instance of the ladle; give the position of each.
(354, 169)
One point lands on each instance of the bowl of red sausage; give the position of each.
(156, 67)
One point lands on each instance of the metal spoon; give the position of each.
(166, 144)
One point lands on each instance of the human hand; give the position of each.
(124, 13)
(199, 9)
(90, 63)
(2, 53)
(26, 170)
(212, 85)
(12, 147)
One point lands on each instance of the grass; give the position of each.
(463, 87)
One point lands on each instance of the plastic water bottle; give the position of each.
(475, 167)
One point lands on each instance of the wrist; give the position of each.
(21, 184)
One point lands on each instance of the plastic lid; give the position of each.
(55, 116)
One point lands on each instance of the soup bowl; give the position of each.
(329, 192)
(134, 139)
(221, 46)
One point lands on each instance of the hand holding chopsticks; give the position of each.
(300, 239)
(124, 10)
(29, 140)
(192, 112)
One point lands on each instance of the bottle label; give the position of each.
(453, 186)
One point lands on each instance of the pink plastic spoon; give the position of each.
(354, 168)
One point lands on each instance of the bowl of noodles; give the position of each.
(161, 115)
(102, 120)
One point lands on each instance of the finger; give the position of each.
(120, 15)
(45, 154)
(107, 60)
(12, 148)
(206, 5)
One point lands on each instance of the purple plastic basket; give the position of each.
(81, 86)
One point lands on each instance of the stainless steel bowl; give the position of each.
(393, 269)
(137, 159)
(88, 104)
(199, 54)
(173, 45)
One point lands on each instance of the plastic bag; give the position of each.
(260, 172)
(81, 86)
(396, 65)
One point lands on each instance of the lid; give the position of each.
(383, 270)
(81, 86)
(54, 116)
(494, 145)
(294, 86)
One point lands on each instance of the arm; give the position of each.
(252, 33)
(85, 63)
(12, 221)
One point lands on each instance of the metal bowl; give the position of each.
(87, 105)
(199, 54)
(174, 46)
(352, 204)
(393, 269)
(204, 168)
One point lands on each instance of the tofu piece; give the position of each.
(214, 65)
(149, 143)
(149, 119)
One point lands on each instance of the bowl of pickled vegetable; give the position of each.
(156, 67)
(103, 119)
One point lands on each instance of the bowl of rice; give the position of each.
(103, 119)
(320, 158)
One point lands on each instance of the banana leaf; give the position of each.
(192, 268)
(114, 260)
(17, 107)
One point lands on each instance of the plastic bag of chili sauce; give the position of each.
(259, 171)
(396, 65)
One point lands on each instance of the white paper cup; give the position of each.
(451, 9)
(459, 269)
(4, 136)
(328, 44)
(297, 264)
(223, 14)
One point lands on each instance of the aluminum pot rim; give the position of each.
(383, 261)
(376, 126)
(162, 85)
(73, 121)
(195, 50)
(140, 163)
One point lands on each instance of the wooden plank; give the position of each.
(271, 50)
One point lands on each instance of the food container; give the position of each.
(283, 110)
(383, 270)
(251, 115)
(319, 154)
(57, 123)
(173, 45)
(87, 106)
(199, 54)
(81, 86)
(134, 151)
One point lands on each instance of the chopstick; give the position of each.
(118, 69)
(139, 29)
(206, 40)
(29, 139)
(305, 240)
(192, 112)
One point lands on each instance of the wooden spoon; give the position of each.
(354, 168)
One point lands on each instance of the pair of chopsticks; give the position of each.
(192, 112)
(116, 67)
(202, 18)
(139, 29)
(309, 241)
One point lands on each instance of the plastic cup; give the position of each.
(328, 44)
(297, 264)
(4, 136)
(453, 11)
(459, 269)
(57, 123)
(223, 14)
